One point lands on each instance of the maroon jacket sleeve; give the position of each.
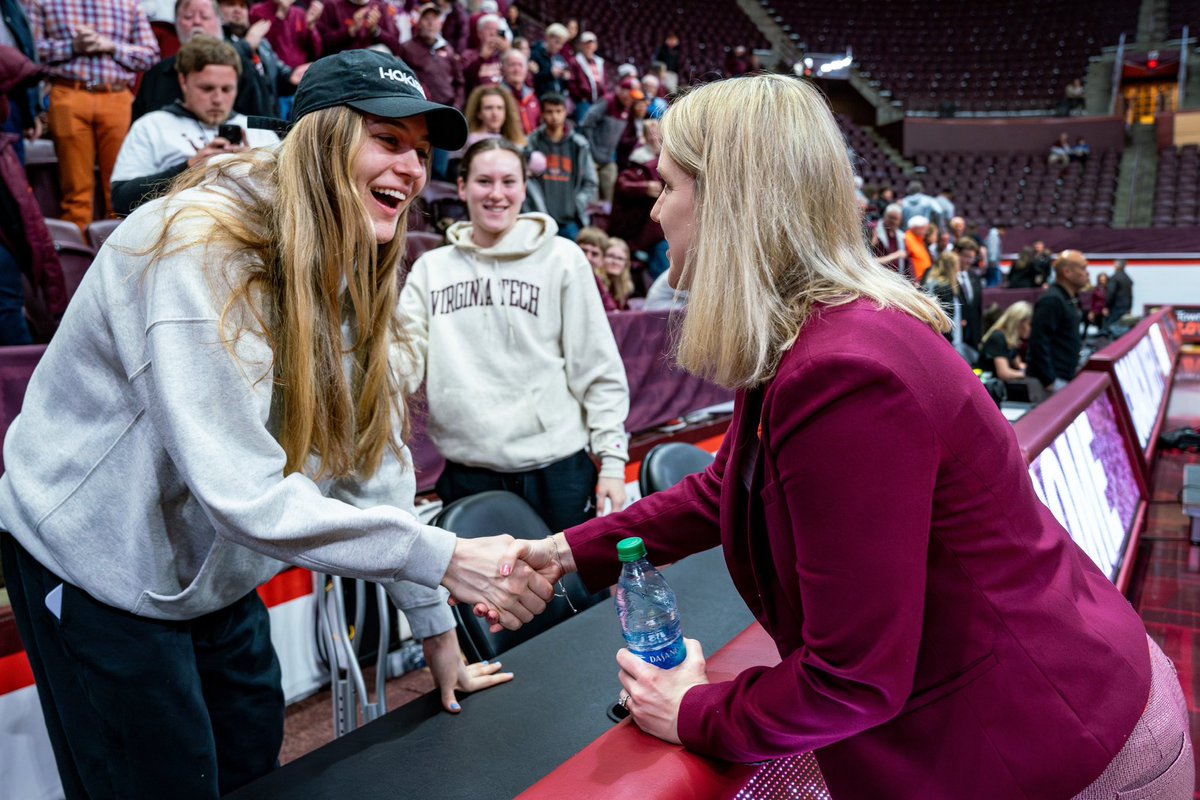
(850, 473)
(674, 523)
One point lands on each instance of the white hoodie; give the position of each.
(520, 363)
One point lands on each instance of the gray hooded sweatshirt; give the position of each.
(143, 467)
(520, 363)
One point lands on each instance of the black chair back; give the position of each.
(487, 514)
(669, 463)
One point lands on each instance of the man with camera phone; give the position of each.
(189, 131)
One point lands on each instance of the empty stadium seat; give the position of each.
(1012, 56)
(419, 243)
(64, 232)
(75, 260)
(100, 230)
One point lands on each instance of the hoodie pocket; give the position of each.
(472, 416)
(556, 408)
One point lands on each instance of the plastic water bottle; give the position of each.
(647, 608)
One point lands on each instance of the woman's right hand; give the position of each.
(510, 596)
(550, 558)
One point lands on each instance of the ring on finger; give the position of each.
(624, 699)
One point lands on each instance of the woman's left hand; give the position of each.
(451, 673)
(655, 694)
(612, 489)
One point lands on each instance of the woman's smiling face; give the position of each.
(390, 170)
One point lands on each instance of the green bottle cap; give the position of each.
(631, 549)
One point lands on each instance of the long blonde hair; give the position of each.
(1010, 321)
(945, 271)
(619, 286)
(777, 229)
(511, 129)
(299, 232)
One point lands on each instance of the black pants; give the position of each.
(145, 708)
(563, 493)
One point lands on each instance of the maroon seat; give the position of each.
(75, 258)
(16, 367)
(64, 232)
(417, 244)
(100, 230)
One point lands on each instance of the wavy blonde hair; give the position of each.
(302, 248)
(777, 229)
(1010, 321)
(511, 129)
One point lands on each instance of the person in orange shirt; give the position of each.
(914, 242)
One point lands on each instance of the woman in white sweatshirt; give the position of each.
(218, 400)
(523, 376)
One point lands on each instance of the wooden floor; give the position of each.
(1166, 583)
(309, 722)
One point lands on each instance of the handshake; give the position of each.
(509, 581)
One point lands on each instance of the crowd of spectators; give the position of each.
(587, 127)
(138, 91)
(1033, 348)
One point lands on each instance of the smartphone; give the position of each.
(230, 133)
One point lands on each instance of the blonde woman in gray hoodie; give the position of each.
(524, 380)
(219, 400)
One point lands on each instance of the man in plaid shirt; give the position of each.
(94, 50)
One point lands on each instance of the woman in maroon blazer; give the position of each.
(941, 635)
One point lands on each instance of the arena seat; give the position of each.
(99, 231)
(1012, 56)
(41, 167)
(1176, 194)
(419, 243)
(75, 260)
(17, 364)
(1180, 13)
(487, 514)
(64, 232)
(871, 163)
(1022, 190)
(439, 204)
(669, 463)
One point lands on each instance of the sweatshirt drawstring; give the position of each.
(512, 334)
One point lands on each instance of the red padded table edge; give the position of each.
(627, 763)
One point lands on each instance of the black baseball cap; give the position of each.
(373, 83)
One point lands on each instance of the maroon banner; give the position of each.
(1132, 242)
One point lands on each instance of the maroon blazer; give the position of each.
(942, 637)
